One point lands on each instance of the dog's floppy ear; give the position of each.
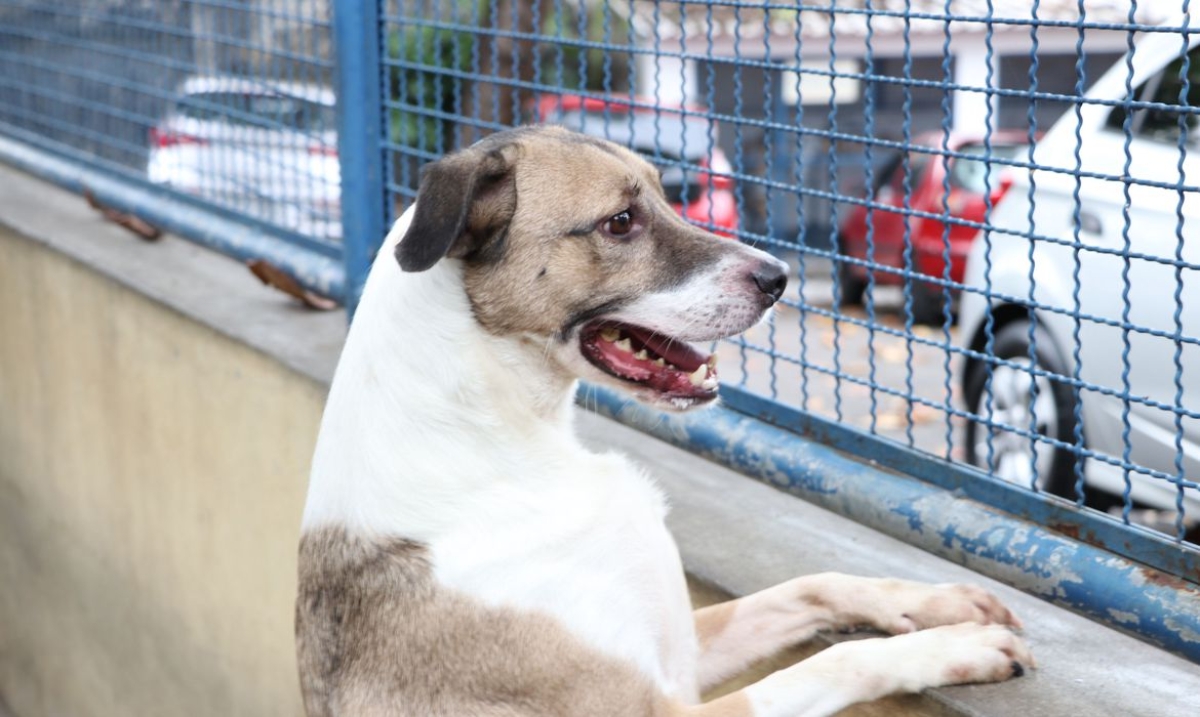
(464, 203)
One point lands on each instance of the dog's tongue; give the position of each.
(666, 365)
(674, 352)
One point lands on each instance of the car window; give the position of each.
(258, 110)
(892, 176)
(1163, 124)
(1168, 88)
(978, 176)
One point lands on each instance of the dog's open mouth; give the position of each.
(668, 366)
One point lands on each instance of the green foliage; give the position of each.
(418, 57)
(570, 75)
(414, 54)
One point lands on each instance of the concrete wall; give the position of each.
(152, 474)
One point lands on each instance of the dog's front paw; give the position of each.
(947, 655)
(962, 654)
(900, 606)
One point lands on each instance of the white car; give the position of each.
(1130, 252)
(267, 150)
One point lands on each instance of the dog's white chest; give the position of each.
(589, 549)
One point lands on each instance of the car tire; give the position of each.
(1012, 455)
(853, 289)
(927, 303)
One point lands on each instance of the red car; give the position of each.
(666, 136)
(969, 183)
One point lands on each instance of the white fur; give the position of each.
(439, 432)
(710, 305)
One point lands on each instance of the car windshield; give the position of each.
(1175, 99)
(258, 110)
(666, 134)
(977, 176)
(1175, 92)
(891, 174)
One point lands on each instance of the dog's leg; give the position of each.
(734, 634)
(862, 670)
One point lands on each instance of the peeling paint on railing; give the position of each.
(1123, 593)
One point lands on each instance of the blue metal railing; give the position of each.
(210, 118)
(987, 211)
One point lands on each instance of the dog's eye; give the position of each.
(619, 225)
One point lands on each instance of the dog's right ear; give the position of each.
(464, 203)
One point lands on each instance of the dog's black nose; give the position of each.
(771, 279)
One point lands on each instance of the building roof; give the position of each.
(689, 23)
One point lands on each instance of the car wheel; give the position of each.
(927, 302)
(853, 288)
(1014, 457)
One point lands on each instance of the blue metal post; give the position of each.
(357, 29)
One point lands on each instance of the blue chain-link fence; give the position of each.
(992, 209)
(986, 204)
(218, 105)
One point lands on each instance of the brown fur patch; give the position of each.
(377, 636)
(548, 265)
(734, 705)
(711, 621)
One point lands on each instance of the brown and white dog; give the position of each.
(463, 554)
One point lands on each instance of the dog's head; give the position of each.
(569, 243)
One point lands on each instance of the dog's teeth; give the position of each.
(624, 345)
(712, 361)
(709, 383)
(610, 334)
(697, 377)
(641, 355)
(659, 362)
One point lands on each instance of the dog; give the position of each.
(463, 554)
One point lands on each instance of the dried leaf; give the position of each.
(272, 275)
(890, 421)
(892, 353)
(924, 414)
(133, 223)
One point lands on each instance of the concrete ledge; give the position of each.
(742, 536)
(734, 533)
(208, 287)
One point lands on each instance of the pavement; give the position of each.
(861, 366)
(867, 367)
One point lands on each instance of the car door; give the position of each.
(1138, 289)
